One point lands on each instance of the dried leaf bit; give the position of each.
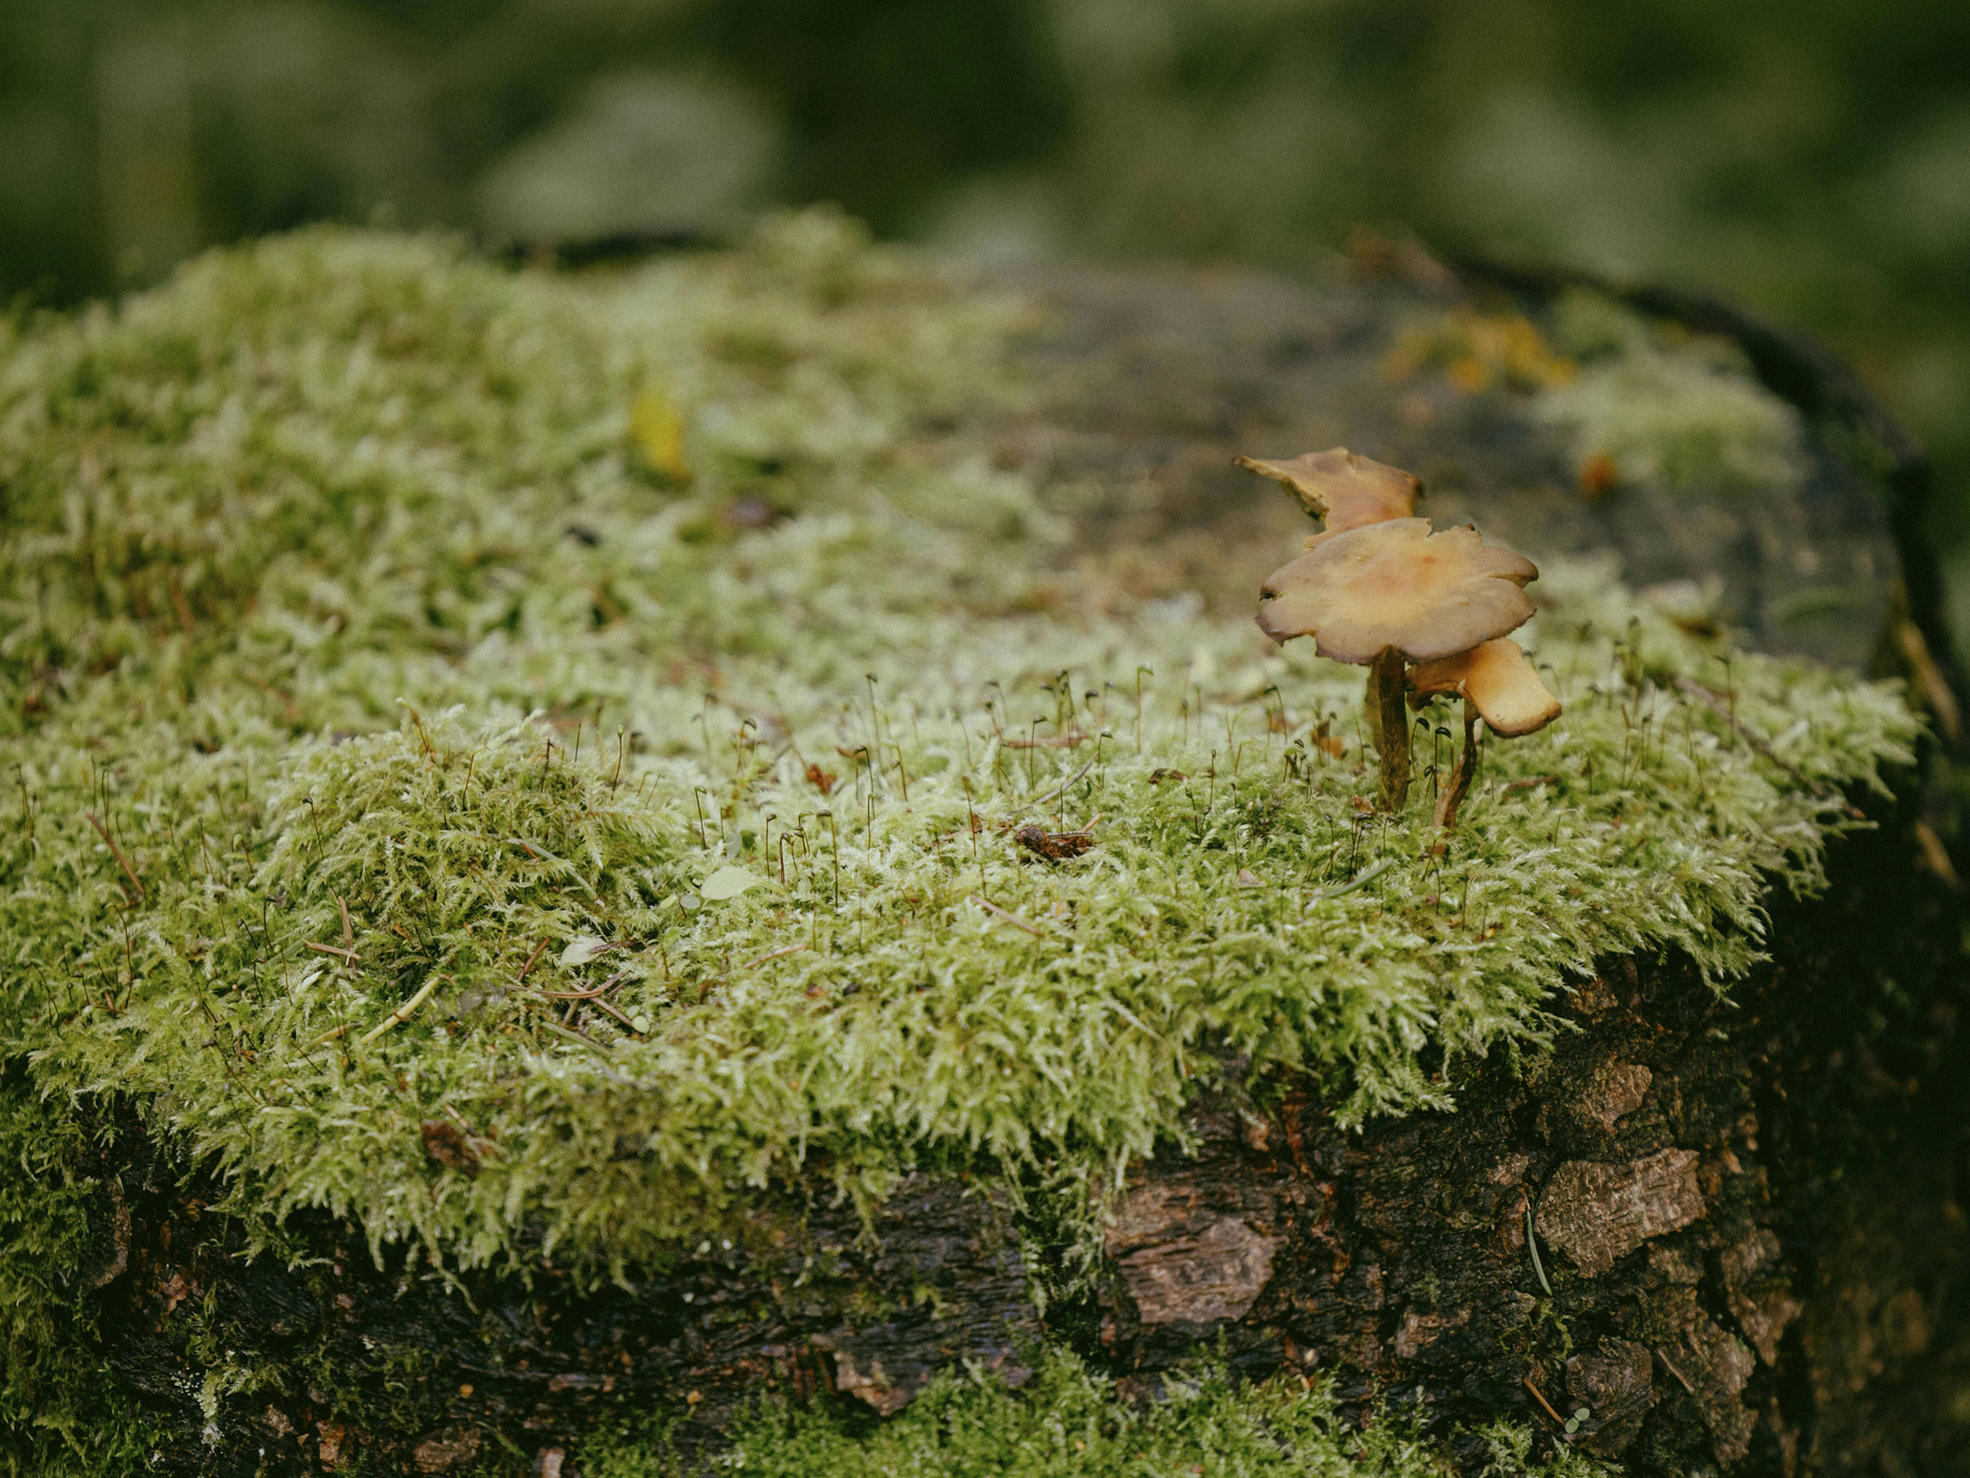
(1386, 594)
(1055, 846)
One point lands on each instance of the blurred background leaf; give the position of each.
(1810, 158)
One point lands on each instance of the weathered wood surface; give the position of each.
(1749, 1213)
(1166, 378)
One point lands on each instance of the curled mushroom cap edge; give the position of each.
(1500, 681)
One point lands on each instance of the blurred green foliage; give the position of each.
(1809, 157)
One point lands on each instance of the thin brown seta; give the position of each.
(117, 852)
(1451, 797)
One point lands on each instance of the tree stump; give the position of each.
(1701, 1230)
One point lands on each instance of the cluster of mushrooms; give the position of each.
(1426, 612)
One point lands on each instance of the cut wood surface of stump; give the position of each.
(595, 847)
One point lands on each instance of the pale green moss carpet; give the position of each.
(595, 713)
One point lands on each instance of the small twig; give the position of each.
(330, 949)
(605, 1006)
(1933, 854)
(1670, 1366)
(539, 950)
(1929, 677)
(1011, 918)
(182, 606)
(403, 1012)
(348, 930)
(117, 852)
(1539, 1396)
(592, 993)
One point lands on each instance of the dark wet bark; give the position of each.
(1709, 1185)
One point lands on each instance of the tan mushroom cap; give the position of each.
(1501, 683)
(1396, 584)
(1346, 490)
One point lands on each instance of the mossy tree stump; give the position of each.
(518, 923)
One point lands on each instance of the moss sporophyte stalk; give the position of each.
(395, 744)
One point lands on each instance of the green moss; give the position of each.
(1680, 412)
(861, 999)
(57, 1409)
(254, 517)
(1068, 1421)
(871, 1006)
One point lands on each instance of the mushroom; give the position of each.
(1384, 594)
(1345, 490)
(1497, 684)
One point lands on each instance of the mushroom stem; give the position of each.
(1388, 720)
(1452, 795)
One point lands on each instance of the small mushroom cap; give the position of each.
(1501, 683)
(1396, 584)
(1346, 490)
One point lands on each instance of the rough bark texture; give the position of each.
(1695, 1173)
(1749, 1215)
